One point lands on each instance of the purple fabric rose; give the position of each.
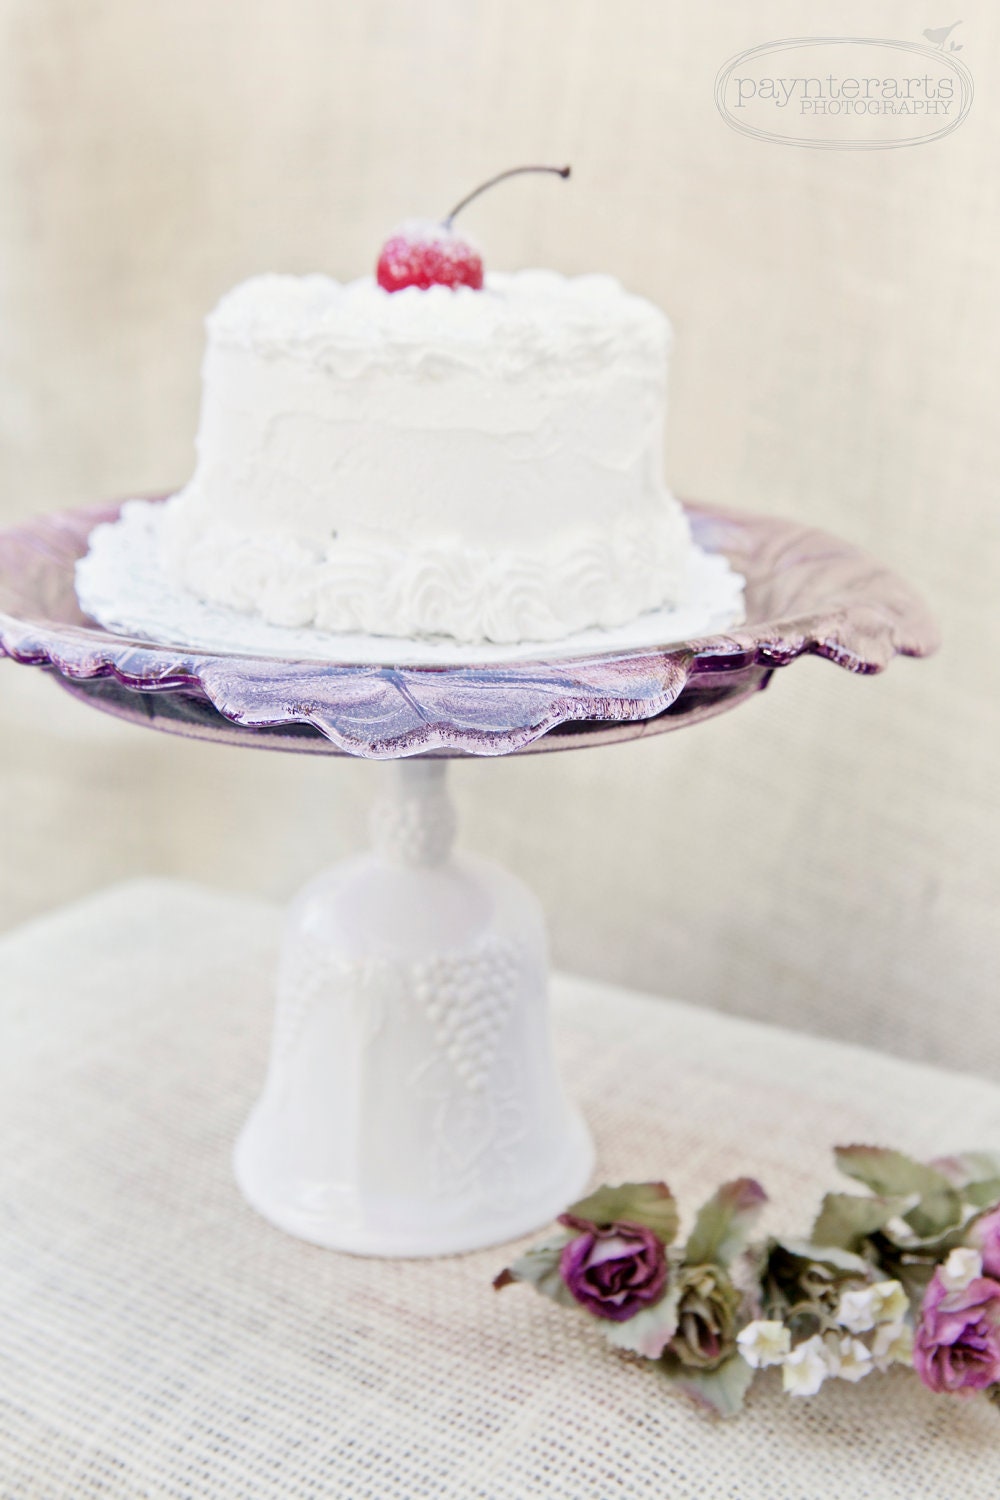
(957, 1344)
(615, 1272)
(984, 1236)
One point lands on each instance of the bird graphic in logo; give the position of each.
(939, 35)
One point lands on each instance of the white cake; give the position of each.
(485, 465)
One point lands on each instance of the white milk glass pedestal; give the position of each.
(412, 1104)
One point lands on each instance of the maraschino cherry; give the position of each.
(422, 253)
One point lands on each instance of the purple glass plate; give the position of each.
(808, 593)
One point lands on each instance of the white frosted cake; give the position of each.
(480, 464)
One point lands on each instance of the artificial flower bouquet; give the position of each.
(907, 1273)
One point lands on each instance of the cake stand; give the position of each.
(412, 1104)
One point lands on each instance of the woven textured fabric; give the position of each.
(158, 1340)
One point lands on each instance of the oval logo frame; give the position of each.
(965, 94)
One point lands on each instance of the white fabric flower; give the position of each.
(962, 1267)
(891, 1302)
(856, 1312)
(855, 1360)
(807, 1366)
(764, 1342)
(893, 1345)
(862, 1308)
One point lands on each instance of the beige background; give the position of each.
(826, 857)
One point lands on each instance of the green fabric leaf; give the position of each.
(983, 1194)
(933, 1247)
(892, 1174)
(969, 1168)
(539, 1266)
(722, 1390)
(976, 1175)
(826, 1255)
(650, 1331)
(845, 1220)
(723, 1225)
(648, 1203)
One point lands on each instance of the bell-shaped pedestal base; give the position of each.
(412, 1104)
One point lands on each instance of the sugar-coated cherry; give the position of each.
(423, 254)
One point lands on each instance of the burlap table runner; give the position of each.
(157, 1339)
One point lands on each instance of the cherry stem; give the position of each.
(492, 182)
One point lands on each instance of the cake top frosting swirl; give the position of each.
(517, 319)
